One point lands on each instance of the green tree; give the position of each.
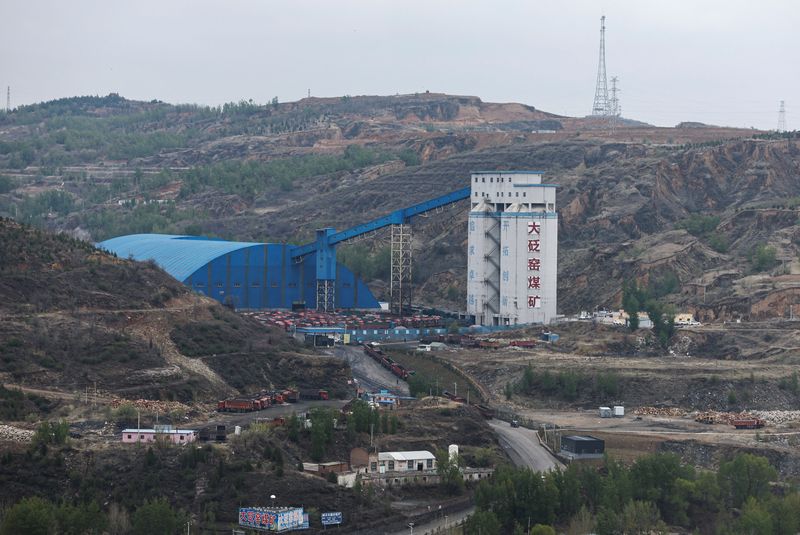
(125, 413)
(745, 476)
(85, 519)
(654, 479)
(385, 423)
(640, 518)
(763, 257)
(541, 529)
(483, 523)
(718, 242)
(699, 225)
(631, 303)
(293, 428)
(6, 184)
(31, 516)
(663, 320)
(755, 519)
(449, 472)
(156, 518)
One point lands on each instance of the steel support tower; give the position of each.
(400, 281)
(782, 117)
(600, 106)
(326, 295)
(614, 109)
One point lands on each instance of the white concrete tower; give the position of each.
(512, 248)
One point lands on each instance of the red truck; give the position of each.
(748, 423)
(314, 394)
(239, 405)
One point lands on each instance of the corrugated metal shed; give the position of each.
(180, 256)
(245, 275)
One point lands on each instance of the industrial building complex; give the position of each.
(512, 248)
(512, 252)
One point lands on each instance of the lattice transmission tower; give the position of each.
(614, 107)
(782, 118)
(600, 106)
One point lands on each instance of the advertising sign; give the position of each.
(329, 519)
(271, 519)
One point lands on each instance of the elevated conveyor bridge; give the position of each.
(400, 285)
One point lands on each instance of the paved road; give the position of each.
(369, 374)
(522, 445)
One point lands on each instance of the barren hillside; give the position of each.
(684, 209)
(73, 317)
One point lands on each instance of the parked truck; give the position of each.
(748, 423)
(314, 394)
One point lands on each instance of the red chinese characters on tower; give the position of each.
(534, 301)
(533, 283)
(534, 228)
(534, 264)
(534, 246)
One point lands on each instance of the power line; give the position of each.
(782, 118)
(600, 106)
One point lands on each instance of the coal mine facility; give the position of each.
(258, 276)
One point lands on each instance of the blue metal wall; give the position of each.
(265, 276)
(254, 275)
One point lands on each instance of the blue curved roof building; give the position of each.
(249, 276)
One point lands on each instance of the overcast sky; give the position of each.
(726, 62)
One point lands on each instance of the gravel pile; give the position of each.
(778, 417)
(15, 434)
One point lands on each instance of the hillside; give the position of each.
(73, 317)
(703, 214)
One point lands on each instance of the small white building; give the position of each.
(401, 461)
(167, 433)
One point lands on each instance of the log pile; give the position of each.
(672, 412)
(717, 417)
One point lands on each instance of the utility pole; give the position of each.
(8, 99)
(455, 389)
(600, 105)
(782, 117)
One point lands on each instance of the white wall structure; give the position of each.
(512, 248)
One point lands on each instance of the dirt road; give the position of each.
(245, 418)
(369, 374)
(522, 446)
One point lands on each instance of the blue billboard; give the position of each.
(329, 519)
